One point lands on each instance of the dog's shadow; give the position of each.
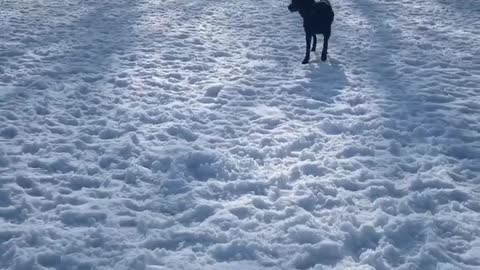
(326, 80)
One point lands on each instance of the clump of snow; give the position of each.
(202, 166)
(325, 253)
(213, 90)
(8, 132)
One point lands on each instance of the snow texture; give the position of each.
(185, 134)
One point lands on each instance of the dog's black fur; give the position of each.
(317, 19)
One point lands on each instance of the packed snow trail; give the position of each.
(181, 134)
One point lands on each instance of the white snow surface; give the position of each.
(185, 134)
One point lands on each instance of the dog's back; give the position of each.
(320, 18)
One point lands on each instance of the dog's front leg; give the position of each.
(308, 39)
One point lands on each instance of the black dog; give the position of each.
(317, 19)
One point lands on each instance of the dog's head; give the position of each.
(298, 5)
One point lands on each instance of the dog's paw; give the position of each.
(324, 57)
(305, 61)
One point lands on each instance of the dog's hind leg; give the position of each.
(308, 39)
(314, 46)
(326, 36)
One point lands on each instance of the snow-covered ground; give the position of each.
(185, 134)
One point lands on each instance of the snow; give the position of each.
(187, 135)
